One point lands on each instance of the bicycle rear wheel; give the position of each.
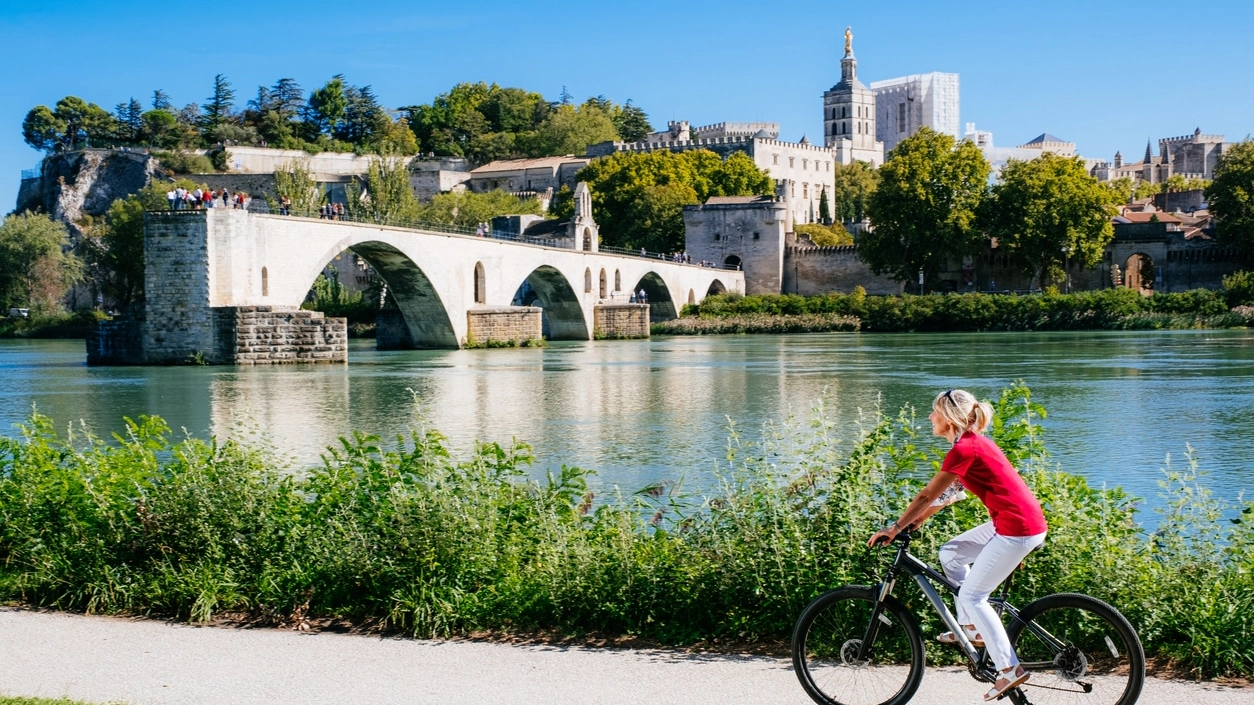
(1079, 650)
(827, 640)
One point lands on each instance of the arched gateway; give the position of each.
(203, 267)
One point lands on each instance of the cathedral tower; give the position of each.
(849, 114)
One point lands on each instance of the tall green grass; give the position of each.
(409, 534)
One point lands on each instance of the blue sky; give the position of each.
(1107, 75)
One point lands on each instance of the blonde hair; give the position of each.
(960, 408)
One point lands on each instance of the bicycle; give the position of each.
(859, 645)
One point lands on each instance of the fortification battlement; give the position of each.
(1194, 138)
(646, 146)
(829, 251)
(747, 128)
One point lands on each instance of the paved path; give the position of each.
(142, 662)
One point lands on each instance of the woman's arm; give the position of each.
(920, 508)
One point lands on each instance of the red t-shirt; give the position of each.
(985, 471)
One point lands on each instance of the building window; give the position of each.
(901, 117)
(827, 166)
(481, 288)
(805, 190)
(265, 282)
(792, 162)
(775, 159)
(805, 164)
(756, 236)
(717, 237)
(587, 281)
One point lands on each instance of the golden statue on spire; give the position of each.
(848, 41)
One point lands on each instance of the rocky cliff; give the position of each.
(76, 184)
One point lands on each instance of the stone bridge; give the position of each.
(202, 263)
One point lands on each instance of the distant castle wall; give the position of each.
(809, 271)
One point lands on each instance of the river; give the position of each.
(641, 411)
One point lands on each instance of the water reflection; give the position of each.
(646, 410)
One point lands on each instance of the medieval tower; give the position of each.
(849, 114)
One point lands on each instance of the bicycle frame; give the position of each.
(906, 563)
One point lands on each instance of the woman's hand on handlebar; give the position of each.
(884, 536)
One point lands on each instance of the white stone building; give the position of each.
(804, 169)
(903, 105)
(849, 115)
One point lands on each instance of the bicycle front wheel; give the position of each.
(1079, 650)
(832, 663)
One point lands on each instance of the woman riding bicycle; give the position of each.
(980, 559)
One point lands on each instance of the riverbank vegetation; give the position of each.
(1109, 309)
(408, 535)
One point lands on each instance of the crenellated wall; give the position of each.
(819, 270)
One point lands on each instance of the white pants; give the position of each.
(978, 561)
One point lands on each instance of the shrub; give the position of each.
(185, 162)
(1239, 289)
(407, 535)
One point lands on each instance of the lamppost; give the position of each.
(1066, 266)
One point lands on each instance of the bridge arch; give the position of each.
(425, 314)
(563, 316)
(661, 305)
(716, 287)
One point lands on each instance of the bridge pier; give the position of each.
(620, 321)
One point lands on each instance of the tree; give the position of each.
(569, 130)
(73, 123)
(1231, 197)
(924, 208)
(854, 184)
(824, 235)
(1049, 211)
(161, 129)
(161, 101)
(638, 197)
(130, 120)
(631, 122)
(295, 181)
(218, 108)
(327, 105)
(42, 129)
(825, 210)
(384, 196)
(467, 209)
(365, 121)
(36, 265)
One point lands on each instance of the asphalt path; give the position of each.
(147, 662)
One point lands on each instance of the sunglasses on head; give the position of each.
(950, 396)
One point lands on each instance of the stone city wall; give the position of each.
(621, 321)
(515, 324)
(819, 270)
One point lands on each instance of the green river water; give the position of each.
(641, 411)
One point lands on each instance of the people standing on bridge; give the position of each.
(642, 252)
(642, 297)
(170, 197)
